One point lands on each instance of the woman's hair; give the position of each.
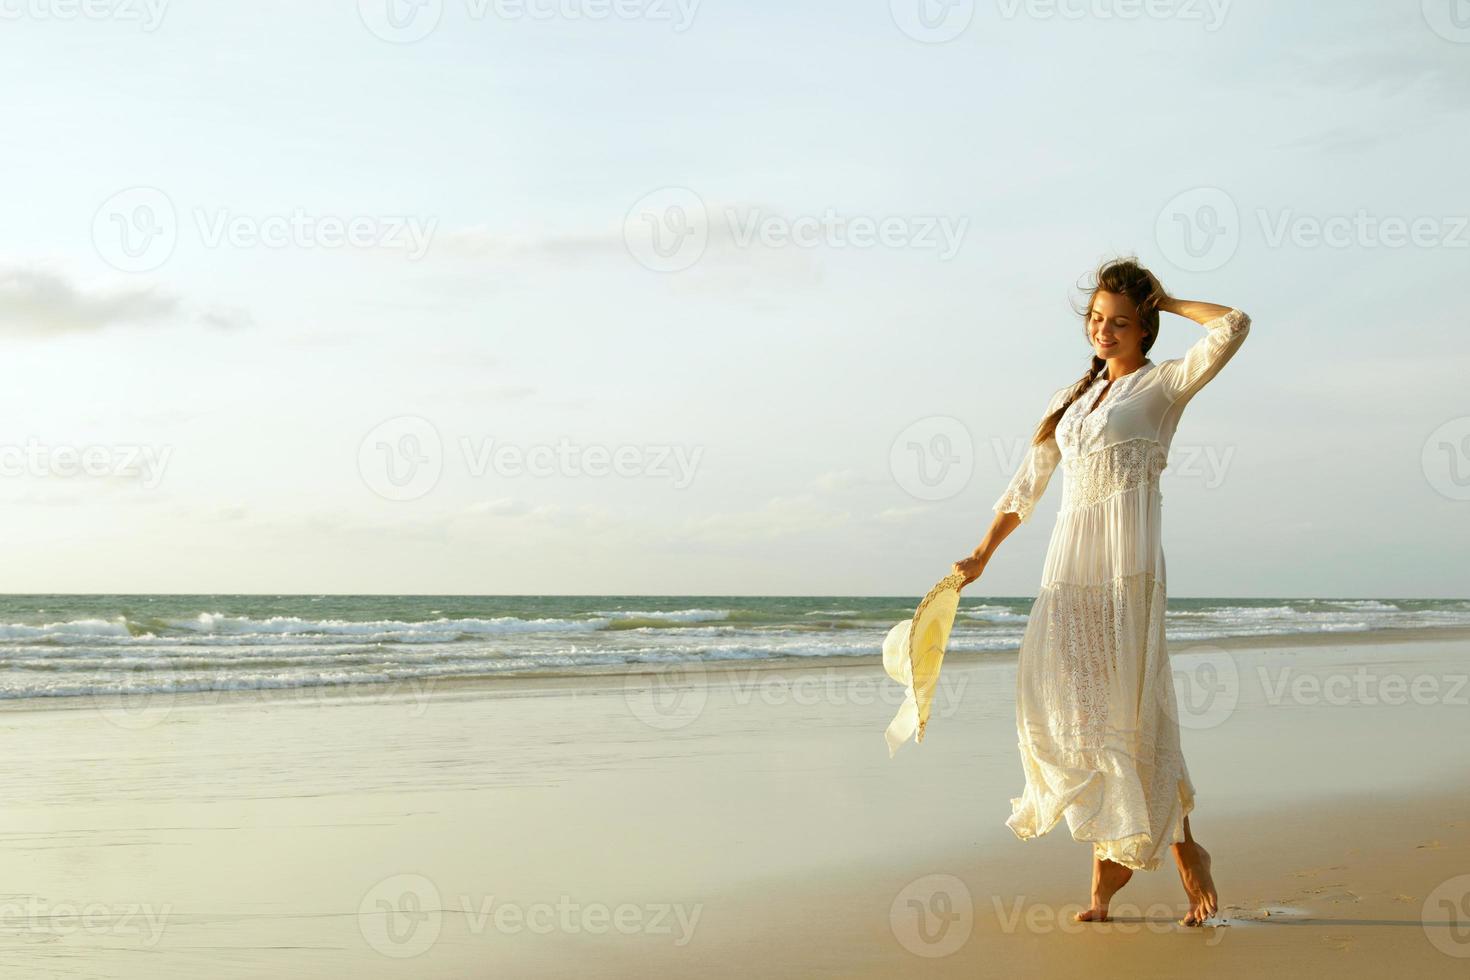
(1126, 277)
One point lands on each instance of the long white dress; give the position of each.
(1095, 707)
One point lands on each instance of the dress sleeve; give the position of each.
(1034, 473)
(1183, 376)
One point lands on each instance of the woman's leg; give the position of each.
(1107, 878)
(1194, 871)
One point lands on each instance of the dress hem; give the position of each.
(1124, 850)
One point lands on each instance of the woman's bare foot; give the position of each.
(1107, 878)
(1194, 871)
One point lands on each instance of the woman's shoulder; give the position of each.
(1059, 396)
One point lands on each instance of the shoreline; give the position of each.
(534, 681)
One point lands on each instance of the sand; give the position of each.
(743, 820)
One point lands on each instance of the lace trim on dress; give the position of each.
(1095, 476)
(1232, 320)
(1085, 419)
(1016, 500)
(1030, 481)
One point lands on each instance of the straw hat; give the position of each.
(912, 654)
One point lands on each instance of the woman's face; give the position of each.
(1113, 328)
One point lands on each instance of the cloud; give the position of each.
(736, 260)
(493, 521)
(1400, 75)
(43, 303)
(1339, 139)
(1392, 69)
(226, 318)
(39, 303)
(782, 519)
(1401, 63)
(480, 242)
(836, 481)
(902, 515)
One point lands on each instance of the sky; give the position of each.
(680, 297)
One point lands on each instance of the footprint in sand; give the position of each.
(1311, 872)
(1340, 896)
(1264, 912)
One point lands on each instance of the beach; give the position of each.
(727, 819)
(463, 464)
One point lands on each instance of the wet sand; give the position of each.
(740, 820)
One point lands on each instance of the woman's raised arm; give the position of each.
(1226, 328)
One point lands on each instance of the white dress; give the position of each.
(1095, 708)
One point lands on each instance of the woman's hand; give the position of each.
(970, 568)
(1166, 303)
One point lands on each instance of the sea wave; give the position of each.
(118, 645)
(221, 623)
(994, 614)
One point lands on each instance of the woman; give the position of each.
(1095, 708)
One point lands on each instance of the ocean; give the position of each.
(68, 645)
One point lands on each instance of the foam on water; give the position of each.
(57, 646)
